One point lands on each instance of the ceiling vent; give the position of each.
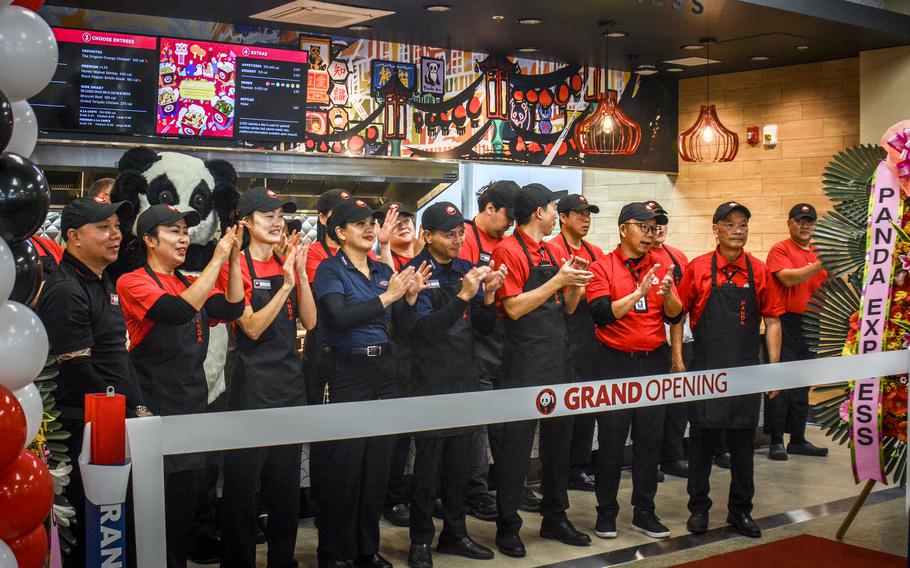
(320, 14)
(692, 61)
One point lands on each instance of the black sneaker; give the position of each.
(777, 452)
(806, 449)
(399, 515)
(605, 526)
(482, 506)
(530, 501)
(648, 523)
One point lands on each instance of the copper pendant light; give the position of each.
(607, 130)
(708, 140)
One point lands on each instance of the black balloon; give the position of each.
(24, 198)
(6, 121)
(29, 272)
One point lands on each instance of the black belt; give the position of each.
(637, 354)
(371, 351)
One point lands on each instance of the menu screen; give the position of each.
(223, 90)
(104, 82)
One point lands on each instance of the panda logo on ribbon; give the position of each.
(546, 402)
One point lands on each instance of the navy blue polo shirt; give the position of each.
(444, 275)
(338, 275)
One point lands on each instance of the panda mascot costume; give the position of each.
(148, 178)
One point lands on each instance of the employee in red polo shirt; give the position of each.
(538, 290)
(481, 235)
(574, 224)
(631, 296)
(680, 338)
(797, 274)
(727, 293)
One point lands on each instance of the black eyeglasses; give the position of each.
(647, 229)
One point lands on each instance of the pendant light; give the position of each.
(708, 140)
(608, 131)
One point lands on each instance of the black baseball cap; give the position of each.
(535, 195)
(725, 209)
(657, 208)
(640, 212)
(262, 199)
(501, 194)
(442, 216)
(331, 198)
(85, 210)
(402, 208)
(801, 210)
(162, 214)
(350, 211)
(576, 202)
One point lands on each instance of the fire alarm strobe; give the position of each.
(752, 135)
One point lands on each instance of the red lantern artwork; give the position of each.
(496, 70)
(396, 97)
(474, 109)
(607, 131)
(459, 117)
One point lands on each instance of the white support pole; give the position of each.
(148, 490)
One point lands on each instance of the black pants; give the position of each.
(351, 477)
(511, 444)
(647, 427)
(277, 470)
(582, 444)
(479, 461)
(702, 442)
(677, 416)
(399, 490)
(440, 468)
(181, 495)
(789, 410)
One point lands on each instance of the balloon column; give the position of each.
(28, 59)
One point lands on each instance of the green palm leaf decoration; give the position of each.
(847, 180)
(827, 321)
(841, 243)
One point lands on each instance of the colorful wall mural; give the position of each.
(369, 97)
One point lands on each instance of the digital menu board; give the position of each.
(104, 83)
(220, 90)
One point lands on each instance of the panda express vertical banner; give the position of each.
(884, 210)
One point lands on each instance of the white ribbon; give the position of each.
(152, 438)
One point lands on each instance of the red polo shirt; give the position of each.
(662, 256)
(263, 269)
(46, 247)
(400, 261)
(469, 250)
(138, 292)
(637, 330)
(562, 250)
(785, 255)
(510, 253)
(695, 286)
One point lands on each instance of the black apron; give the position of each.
(487, 348)
(312, 354)
(677, 269)
(535, 350)
(580, 329)
(727, 335)
(434, 374)
(169, 367)
(269, 371)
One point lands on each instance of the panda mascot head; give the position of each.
(148, 178)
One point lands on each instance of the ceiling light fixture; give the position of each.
(528, 49)
(438, 8)
(707, 140)
(529, 21)
(802, 47)
(499, 18)
(616, 34)
(693, 47)
(360, 28)
(646, 70)
(760, 58)
(675, 69)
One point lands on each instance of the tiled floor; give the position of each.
(780, 487)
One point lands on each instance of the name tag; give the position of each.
(260, 284)
(641, 306)
(485, 258)
(432, 283)
(384, 284)
(115, 300)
